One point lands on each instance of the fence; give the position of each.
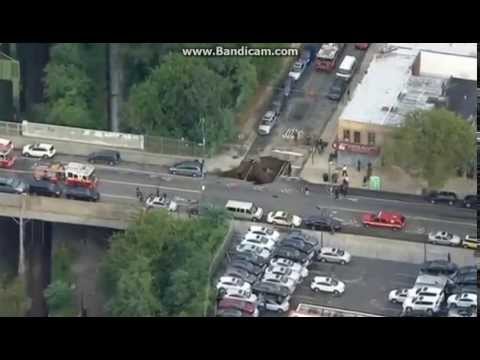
(158, 144)
(10, 128)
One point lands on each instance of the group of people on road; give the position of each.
(141, 198)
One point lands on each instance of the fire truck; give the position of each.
(73, 174)
(7, 159)
(328, 55)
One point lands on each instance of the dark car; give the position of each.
(278, 291)
(443, 197)
(322, 223)
(299, 235)
(452, 289)
(337, 89)
(12, 185)
(251, 258)
(81, 193)
(247, 266)
(439, 267)
(298, 244)
(471, 201)
(110, 157)
(44, 188)
(465, 279)
(188, 168)
(291, 254)
(464, 270)
(241, 274)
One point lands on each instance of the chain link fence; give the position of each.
(182, 147)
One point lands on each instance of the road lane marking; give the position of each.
(150, 186)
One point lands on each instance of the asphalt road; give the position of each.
(118, 184)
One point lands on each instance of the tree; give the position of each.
(14, 300)
(60, 299)
(432, 143)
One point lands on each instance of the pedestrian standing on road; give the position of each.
(295, 135)
(359, 165)
(336, 192)
(138, 192)
(365, 179)
(158, 192)
(344, 170)
(140, 197)
(449, 258)
(307, 191)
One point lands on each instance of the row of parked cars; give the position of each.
(440, 287)
(450, 198)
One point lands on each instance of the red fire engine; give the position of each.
(7, 159)
(73, 174)
(328, 55)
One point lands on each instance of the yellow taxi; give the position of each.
(470, 242)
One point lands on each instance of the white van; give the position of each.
(244, 210)
(347, 67)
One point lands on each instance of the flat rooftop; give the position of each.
(461, 49)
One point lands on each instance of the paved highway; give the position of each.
(117, 184)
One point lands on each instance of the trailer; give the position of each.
(328, 55)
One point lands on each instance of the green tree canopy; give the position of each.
(14, 300)
(159, 267)
(432, 143)
(60, 299)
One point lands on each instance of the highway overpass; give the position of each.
(107, 215)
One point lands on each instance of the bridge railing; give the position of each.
(10, 128)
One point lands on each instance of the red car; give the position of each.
(244, 306)
(389, 220)
(362, 46)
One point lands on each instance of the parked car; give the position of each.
(159, 202)
(288, 87)
(247, 266)
(297, 234)
(329, 254)
(239, 294)
(362, 46)
(462, 312)
(469, 279)
(281, 280)
(241, 305)
(44, 188)
(232, 313)
(426, 291)
(13, 185)
(268, 122)
(283, 218)
(270, 303)
(470, 242)
(442, 197)
(300, 245)
(298, 69)
(241, 274)
(387, 220)
(264, 231)
(439, 267)
(444, 238)
(81, 193)
(467, 270)
(337, 89)
(254, 249)
(427, 304)
(398, 296)
(251, 258)
(278, 292)
(327, 284)
(258, 240)
(471, 201)
(284, 271)
(322, 223)
(188, 168)
(230, 282)
(110, 157)
(295, 266)
(464, 300)
(44, 151)
(292, 254)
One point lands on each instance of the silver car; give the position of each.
(444, 238)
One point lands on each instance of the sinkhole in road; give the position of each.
(260, 171)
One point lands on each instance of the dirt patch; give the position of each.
(262, 171)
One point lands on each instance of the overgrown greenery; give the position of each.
(165, 92)
(433, 144)
(159, 267)
(14, 300)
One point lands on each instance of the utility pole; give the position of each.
(21, 224)
(113, 78)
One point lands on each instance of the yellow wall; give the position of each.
(364, 128)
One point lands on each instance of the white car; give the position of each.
(398, 296)
(298, 69)
(268, 122)
(240, 294)
(327, 284)
(44, 151)
(280, 280)
(463, 300)
(444, 238)
(428, 304)
(290, 264)
(430, 291)
(264, 231)
(258, 240)
(284, 271)
(329, 254)
(254, 249)
(272, 305)
(158, 202)
(283, 218)
(229, 282)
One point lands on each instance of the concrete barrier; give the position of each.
(88, 136)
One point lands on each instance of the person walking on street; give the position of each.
(449, 258)
(138, 192)
(344, 170)
(295, 135)
(336, 192)
(359, 165)
(158, 192)
(307, 191)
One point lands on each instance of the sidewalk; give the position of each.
(393, 179)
